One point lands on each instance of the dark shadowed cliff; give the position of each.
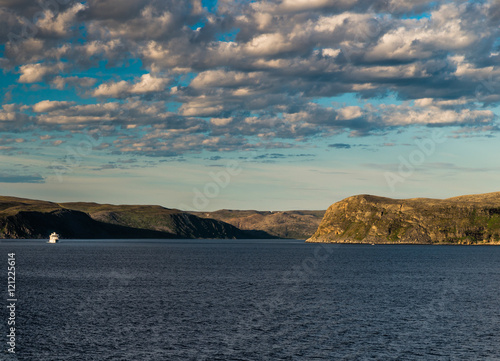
(473, 219)
(71, 224)
(26, 218)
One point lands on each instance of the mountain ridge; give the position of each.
(299, 224)
(28, 218)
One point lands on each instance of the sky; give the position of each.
(268, 105)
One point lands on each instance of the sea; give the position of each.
(250, 300)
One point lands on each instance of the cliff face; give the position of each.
(24, 218)
(289, 224)
(370, 219)
(70, 224)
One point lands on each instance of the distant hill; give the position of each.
(472, 219)
(27, 218)
(288, 224)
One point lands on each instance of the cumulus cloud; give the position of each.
(33, 73)
(113, 89)
(433, 115)
(252, 73)
(13, 118)
(59, 22)
(146, 84)
(221, 121)
(109, 117)
(62, 83)
(49, 105)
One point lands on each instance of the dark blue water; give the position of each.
(253, 300)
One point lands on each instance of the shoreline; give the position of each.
(407, 243)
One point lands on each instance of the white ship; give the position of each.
(54, 238)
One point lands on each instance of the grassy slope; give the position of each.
(137, 216)
(12, 205)
(144, 217)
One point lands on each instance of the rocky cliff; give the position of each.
(26, 218)
(471, 219)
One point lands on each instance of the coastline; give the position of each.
(406, 243)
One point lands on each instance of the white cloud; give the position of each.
(268, 44)
(221, 121)
(149, 84)
(146, 84)
(33, 73)
(350, 112)
(48, 106)
(201, 108)
(60, 23)
(416, 39)
(332, 53)
(222, 78)
(428, 111)
(112, 89)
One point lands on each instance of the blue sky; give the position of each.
(269, 105)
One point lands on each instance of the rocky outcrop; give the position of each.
(371, 219)
(191, 226)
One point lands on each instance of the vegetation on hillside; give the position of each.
(370, 219)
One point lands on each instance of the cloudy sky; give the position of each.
(287, 104)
